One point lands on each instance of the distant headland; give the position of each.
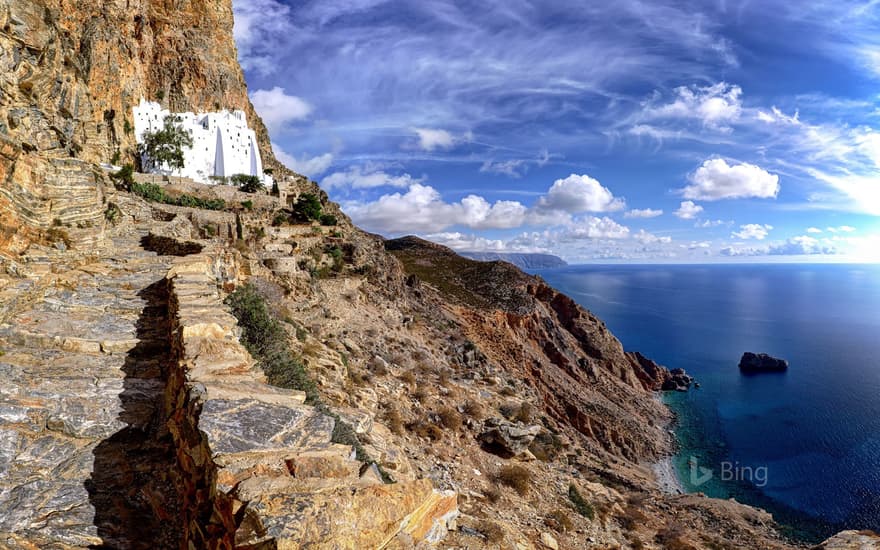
(521, 260)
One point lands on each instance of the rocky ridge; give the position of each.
(114, 437)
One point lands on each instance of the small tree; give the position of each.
(308, 206)
(246, 183)
(165, 146)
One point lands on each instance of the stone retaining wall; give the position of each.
(257, 467)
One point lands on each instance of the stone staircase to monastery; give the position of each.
(131, 417)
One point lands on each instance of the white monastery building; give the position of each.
(223, 145)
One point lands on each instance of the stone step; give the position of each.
(246, 425)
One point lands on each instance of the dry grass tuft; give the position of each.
(408, 377)
(450, 418)
(427, 430)
(516, 477)
(394, 420)
(493, 532)
(474, 409)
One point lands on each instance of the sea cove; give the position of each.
(804, 443)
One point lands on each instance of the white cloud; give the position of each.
(643, 213)
(513, 168)
(579, 193)
(260, 30)
(649, 238)
(753, 231)
(367, 177)
(591, 227)
(813, 230)
(842, 155)
(305, 165)
(841, 229)
(476, 243)
(796, 246)
(714, 106)
(688, 210)
(277, 108)
(431, 139)
(716, 180)
(706, 224)
(422, 210)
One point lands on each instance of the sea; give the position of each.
(803, 444)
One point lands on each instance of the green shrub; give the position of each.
(246, 183)
(338, 258)
(124, 178)
(328, 220)
(265, 338)
(580, 505)
(247, 205)
(307, 207)
(112, 214)
(155, 193)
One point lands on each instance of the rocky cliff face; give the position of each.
(73, 69)
(71, 72)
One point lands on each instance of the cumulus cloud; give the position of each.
(421, 209)
(367, 177)
(591, 227)
(813, 230)
(649, 238)
(277, 108)
(577, 194)
(476, 243)
(308, 166)
(753, 231)
(431, 139)
(716, 180)
(643, 213)
(796, 246)
(688, 210)
(714, 106)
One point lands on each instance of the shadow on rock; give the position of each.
(132, 487)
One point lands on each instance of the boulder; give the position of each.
(506, 438)
(761, 362)
(677, 380)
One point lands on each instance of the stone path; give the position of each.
(83, 457)
(132, 418)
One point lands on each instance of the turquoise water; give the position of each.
(804, 444)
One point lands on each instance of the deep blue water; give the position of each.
(815, 429)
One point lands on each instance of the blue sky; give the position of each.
(630, 130)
